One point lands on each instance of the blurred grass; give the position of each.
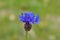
(12, 29)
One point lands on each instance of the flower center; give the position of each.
(27, 18)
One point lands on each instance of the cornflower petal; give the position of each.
(22, 18)
(37, 19)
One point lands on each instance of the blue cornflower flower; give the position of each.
(30, 17)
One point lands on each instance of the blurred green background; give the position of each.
(11, 28)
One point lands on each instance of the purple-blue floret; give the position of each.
(30, 17)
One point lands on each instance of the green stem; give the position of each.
(26, 35)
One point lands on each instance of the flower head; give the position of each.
(30, 17)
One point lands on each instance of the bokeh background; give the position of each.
(11, 28)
